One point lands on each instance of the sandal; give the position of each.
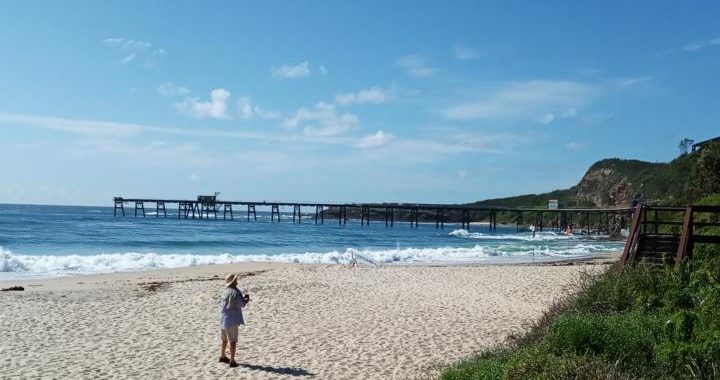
(233, 364)
(224, 359)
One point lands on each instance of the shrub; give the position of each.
(543, 366)
(625, 339)
(489, 365)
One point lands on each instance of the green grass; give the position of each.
(646, 323)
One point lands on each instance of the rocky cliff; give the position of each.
(616, 183)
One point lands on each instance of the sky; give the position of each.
(340, 101)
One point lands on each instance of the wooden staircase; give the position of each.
(668, 234)
(657, 249)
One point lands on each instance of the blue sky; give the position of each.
(344, 102)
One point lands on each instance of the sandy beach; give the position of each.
(304, 321)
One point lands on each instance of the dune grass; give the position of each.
(646, 323)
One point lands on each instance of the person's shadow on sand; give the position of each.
(279, 370)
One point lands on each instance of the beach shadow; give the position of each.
(292, 371)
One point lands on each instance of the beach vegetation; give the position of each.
(645, 322)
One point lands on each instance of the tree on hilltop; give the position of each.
(685, 145)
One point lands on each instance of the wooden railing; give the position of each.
(690, 236)
(669, 226)
(633, 236)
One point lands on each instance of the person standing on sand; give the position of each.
(231, 303)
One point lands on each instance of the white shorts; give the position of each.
(230, 334)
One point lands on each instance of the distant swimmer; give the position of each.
(532, 228)
(568, 230)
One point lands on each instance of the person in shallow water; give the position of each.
(231, 303)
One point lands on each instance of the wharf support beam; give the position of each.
(296, 210)
(466, 220)
(365, 215)
(160, 206)
(320, 211)
(342, 215)
(414, 217)
(389, 216)
(275, 210)
(140, 205)
(227, 209)
(118, 206)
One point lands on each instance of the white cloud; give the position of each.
(695, 46)
(486, 142)
(572, 112)
(215, 108)
(110, 131)
(416, 66)
(188, 154)
(464, 53)
(374, 140)
(633, 81)
(248, 111)
(434, 149)
(323, 70)
(245, 108)
(171, 89)
(128, 58)
(300, 70)
(128, 44)
(193, 177)
(547, 118)
(462, 174)
(81, 127)
(373, 95)
(574, 146)
(322, 121)
(532, 100)
(139, 51)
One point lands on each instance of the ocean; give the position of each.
(51, 241)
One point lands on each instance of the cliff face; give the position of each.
(611, 183)
(604, 188)
(615, 183)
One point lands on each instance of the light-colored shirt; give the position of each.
(231, 304)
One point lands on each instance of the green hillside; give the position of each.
(617, 182)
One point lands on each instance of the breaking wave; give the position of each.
(522, 236)
(18, 265)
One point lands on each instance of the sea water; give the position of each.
(49, 241)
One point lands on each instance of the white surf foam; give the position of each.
(17, 265)
(523, 236)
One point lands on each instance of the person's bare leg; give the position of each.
(233, 346)
(223, 346)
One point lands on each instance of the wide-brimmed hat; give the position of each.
(230, 279)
